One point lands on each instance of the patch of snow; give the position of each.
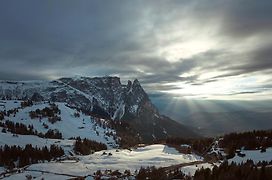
(255, 155)
(130, 90)
(134, 108)
(119, 113)
(2, 169)
(185, 146)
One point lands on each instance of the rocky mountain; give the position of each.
(105, 97)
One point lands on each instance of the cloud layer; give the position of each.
(188, 48)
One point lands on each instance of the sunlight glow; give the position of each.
(224, 88)
(186, 49)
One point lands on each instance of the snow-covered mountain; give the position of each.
(105, 97)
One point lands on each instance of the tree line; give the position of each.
(233, 171)
(86, 146)
(225, 171)
(251, 140)
(248, 140)
(51, 113)
(200, 145)
(16, 156)
(19, 128)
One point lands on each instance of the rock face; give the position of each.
(103, 96)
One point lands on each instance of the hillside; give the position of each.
(71, 123)
(103, 97)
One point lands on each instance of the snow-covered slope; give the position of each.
(70, 125)
(9, 105)
(22, 140)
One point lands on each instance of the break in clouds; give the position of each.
(198, 48)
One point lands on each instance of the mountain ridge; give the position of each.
(106, 97)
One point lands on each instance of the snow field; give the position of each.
(70, 126)
(154, 155)
(255, 155)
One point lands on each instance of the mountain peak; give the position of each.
(105, 97)
(136, 82)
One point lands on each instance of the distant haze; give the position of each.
(215, 117)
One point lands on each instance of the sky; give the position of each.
(199, 49)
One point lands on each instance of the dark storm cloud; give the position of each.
(245, 18)
(237, 19)
(257, 60)
(261, 59)
(64, 27)
(45, 39)
(21, 75)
